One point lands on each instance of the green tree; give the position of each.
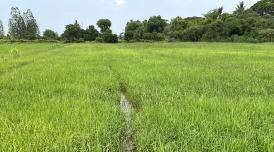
(72, 32)
(178, 24)
(104, 24)
(214, 14)
(216, 31)
(193, 33)
(134, 30)
(155, 24)
(264, 7)
(176, 28)
(17, 27)
(90, 34)
(50, 35)
(236, 26)
(266, 35)
(194, 21)
(106, 35)
(154, 36)
(32, 29)
(2, 33)
(240, 9)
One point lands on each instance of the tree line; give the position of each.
(244, 24)
(254, 24)
(24, 26)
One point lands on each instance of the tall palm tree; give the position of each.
(240, 8)
(214, 14)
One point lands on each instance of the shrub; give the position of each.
(194, 34)
(99, 39)
(243, 38)
(50, 35)
(266, 35)
(109, 38)
(154, 36)
(215, 31)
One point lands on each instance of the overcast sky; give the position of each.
(55, 14)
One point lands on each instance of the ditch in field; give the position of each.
(126, 107)
(128, 145)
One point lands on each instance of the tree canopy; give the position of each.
(17, 27)
(90, 34)
(244, 24)
(32, 29)
(23, 27)
(264, 7)
(72, 32)
(106, 35)
(104, 24)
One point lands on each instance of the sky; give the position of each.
(55, 14)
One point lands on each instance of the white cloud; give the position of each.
(120, 2)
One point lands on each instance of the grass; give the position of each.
(186, 96)
(64, 100)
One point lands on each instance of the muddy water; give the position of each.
(126, 108)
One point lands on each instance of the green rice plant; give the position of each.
(200, 96)
(185, 96)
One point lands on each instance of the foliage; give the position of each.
(134, 30)
(32, 29)
(2, 33)
(176, 27)
(23, 27)
(216, 31)
(17, 26)
(240, 9)
(266, 35)
(242, 24)
(194, 21)
(104, 24)
(155, 24)
(153, 36)
(264, 7)
(72, 32)
(193, 34)
(214, 14)
(106, 35)
(50, 35)
(90, 34)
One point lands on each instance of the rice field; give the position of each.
(183, 96)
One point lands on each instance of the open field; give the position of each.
(184, 96)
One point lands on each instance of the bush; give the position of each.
(175, 35)
(266, 35)
(244, 38)
(99, 39)
(50, 35)
(28, 41)
(154, 36)
(216, 31)
(109, 38)
(194, 34)
(129, 36)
